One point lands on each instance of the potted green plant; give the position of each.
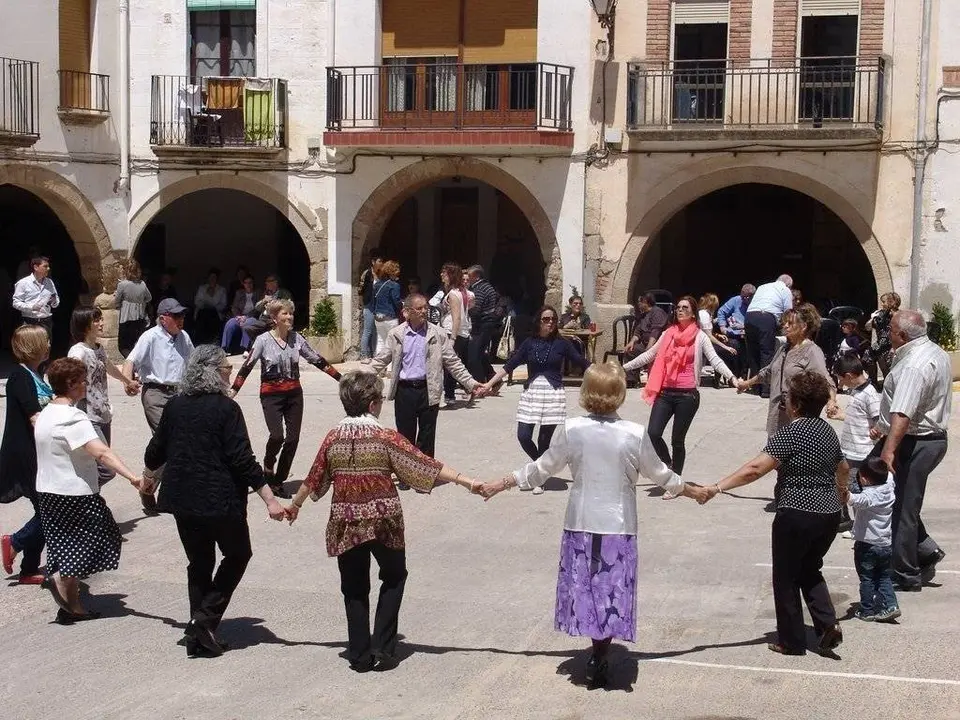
(943, 331)
(323, 333)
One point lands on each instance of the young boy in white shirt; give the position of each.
(872, 552)
(860, 415)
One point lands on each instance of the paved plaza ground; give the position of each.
(477, 619)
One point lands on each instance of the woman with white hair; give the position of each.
(597, 580)
(209, 467)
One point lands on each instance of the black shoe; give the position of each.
(385, 661)
(203, 638)
(65, 617)
(845, 526)
(363, 666)
(49, 584)
(280, 492)
(831, 639)
(783, 650)
(928, 570)
(596, 672)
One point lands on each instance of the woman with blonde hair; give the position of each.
(131, 299)
(27, 394)
(279, 351)
(386, 301)
(706, 315)
(597, 579)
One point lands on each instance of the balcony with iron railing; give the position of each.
(450, 104)
(218, 114)
(19, 102)
(828, 98)
(84, 97)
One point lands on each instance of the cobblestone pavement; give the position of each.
(477, 618)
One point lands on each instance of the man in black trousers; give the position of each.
(762, 322)
(485, 318)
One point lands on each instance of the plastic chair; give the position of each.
(623, 324)
(664, 299)
(847, 312)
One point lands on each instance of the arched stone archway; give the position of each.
(76, 212)
(310, 225)
(376, 211)
(681, 190)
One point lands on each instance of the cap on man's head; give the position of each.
(170, 306)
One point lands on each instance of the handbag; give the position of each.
(506, 344)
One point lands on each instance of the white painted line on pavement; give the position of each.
(851, 569)
(817, 673)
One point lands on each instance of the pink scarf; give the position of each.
(678, 349)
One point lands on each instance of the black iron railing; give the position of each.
(218, 112)
(804, 92)
(84, 91)
(405, 96)
(19, 97)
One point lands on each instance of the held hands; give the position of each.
(481, 391)
(489, 489)
(741, 385)
(276, 511)
(292, 512)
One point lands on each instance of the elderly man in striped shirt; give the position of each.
(914, 411)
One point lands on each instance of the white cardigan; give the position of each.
(704, 347)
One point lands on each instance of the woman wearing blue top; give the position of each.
(386, 301)
(543, 401)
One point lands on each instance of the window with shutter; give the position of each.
(694, 12)
(420, 28)
(74, 18)
(829, 7)
(500, 31)
(223, 42)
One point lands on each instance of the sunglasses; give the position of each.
(548, 319)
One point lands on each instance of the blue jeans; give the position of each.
(230, 331)
(875, 568)
(368, 335)
(29, 541)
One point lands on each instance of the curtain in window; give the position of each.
(442, 79)
(478, 86)
(206, 43)
(243, 34)
(396, 84)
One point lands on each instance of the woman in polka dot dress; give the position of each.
(82, 536)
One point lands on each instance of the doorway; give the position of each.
(700, 59)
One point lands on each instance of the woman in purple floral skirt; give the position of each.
(597, 581)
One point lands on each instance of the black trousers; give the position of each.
(279, 409)
(737, 363)
(460, 345)
(478, 352)
(760, 332)
(913, 548)
(415, 417)
(525, 438)
(210, 593)
(800, 540)
(128, 333)
(682, 406)
(354, 567)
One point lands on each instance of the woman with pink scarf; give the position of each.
(672, 385)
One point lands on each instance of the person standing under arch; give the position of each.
(35, 296)
(770, 301)
(131, 299)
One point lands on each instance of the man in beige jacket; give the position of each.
(419, 353)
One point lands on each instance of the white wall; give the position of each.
(563, 37)
(939, 273)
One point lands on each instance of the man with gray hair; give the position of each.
(770, 301)
(912, 434)
(419, 353)
(730, 319)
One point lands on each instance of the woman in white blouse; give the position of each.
(82, 536)
(455, 319)
(597, 581)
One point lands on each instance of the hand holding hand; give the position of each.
(292, 512)
(481, 391)
(275, 510)
(132, 388)
(138, 483)
(488, 490)
(742, 386)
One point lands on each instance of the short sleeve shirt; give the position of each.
(97, 402)
(63, 466)
(809, 453)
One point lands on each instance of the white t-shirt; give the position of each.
(861, 414)
(63, 466)
(97, 402)
(705, 321)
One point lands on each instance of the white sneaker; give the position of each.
(246, 354)
(538, 490)
(846, 535)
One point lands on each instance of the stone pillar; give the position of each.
(113, 269)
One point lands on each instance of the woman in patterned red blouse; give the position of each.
(357, 458)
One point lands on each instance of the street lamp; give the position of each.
(605, 10)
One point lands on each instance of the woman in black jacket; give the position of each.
(202, 439)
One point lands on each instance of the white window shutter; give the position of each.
(829, 7)
(693, 12)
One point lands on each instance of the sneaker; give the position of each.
(846, 535)
(246, 354)
(538, 490)
(865, 616)
(888, 615)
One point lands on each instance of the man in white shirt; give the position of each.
(158, 359)
(762, 321)
(35, 296)
(912, 432)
